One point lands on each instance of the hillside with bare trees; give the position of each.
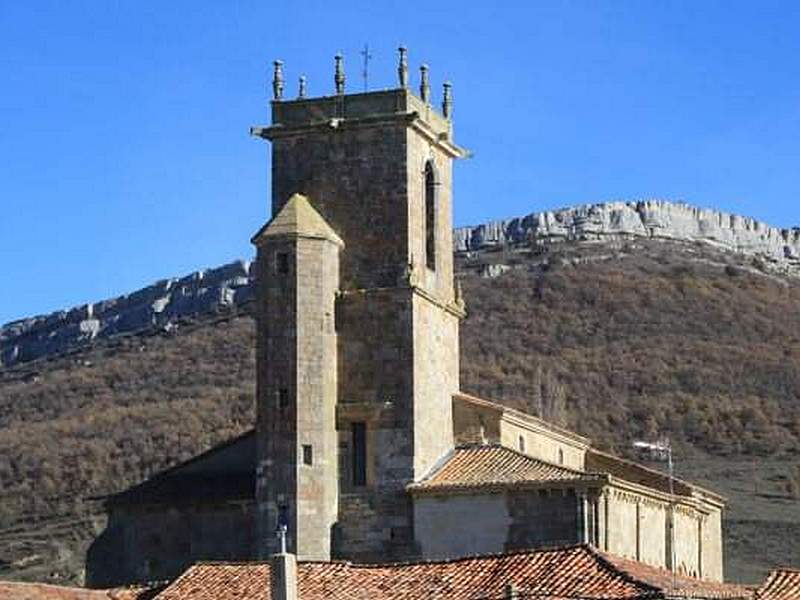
(619, 342)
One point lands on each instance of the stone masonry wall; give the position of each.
(154, 543)
(356, 179)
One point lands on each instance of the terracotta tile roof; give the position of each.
(572, 572)
(782, 584)
(680, 586)
(142, 592)
(482, 466)
(15, 590)
(12, 590)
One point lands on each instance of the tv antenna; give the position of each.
(365, 72)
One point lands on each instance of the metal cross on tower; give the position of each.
(280, 533)
(365, 72)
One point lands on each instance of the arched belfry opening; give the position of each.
(430, 215)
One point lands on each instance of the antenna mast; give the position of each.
(365, 72)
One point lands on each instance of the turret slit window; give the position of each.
(282, 263)
(430, 216)
(359, 431)
(283, 398)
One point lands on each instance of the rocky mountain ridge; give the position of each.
(157, 306)
(163, 304)
(658, 219)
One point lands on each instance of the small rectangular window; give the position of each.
(282, 263)
(308, 455)
(283, 398)
(359, 431)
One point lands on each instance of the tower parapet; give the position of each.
(333, 110)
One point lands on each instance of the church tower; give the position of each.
(357, 316)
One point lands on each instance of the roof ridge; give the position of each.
(466, 557)
(408, 563)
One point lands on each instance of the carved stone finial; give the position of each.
(301, 89)
(277, 80)
(402, 67)
(447, 100)
(338, 77)
(424, 85)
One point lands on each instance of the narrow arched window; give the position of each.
(430, 216)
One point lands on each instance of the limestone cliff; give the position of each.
(651, 219)
(163, 304)
(157, 306)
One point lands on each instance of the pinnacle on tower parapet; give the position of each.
(402, 67)
(447, 100)
(338, 77)
(424, 85)
(277, 80)
(301, 88)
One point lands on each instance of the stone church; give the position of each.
(365, 447)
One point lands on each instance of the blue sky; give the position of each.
(125, 158)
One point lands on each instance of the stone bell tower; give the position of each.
(357, 315)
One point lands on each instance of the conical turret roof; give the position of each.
(297, 218)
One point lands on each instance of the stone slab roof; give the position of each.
(531, 420)
(190, 489)
(551, 574)
(199, 479)
(493, 465)
(298, 218)
(628, 470)
(782, 584)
